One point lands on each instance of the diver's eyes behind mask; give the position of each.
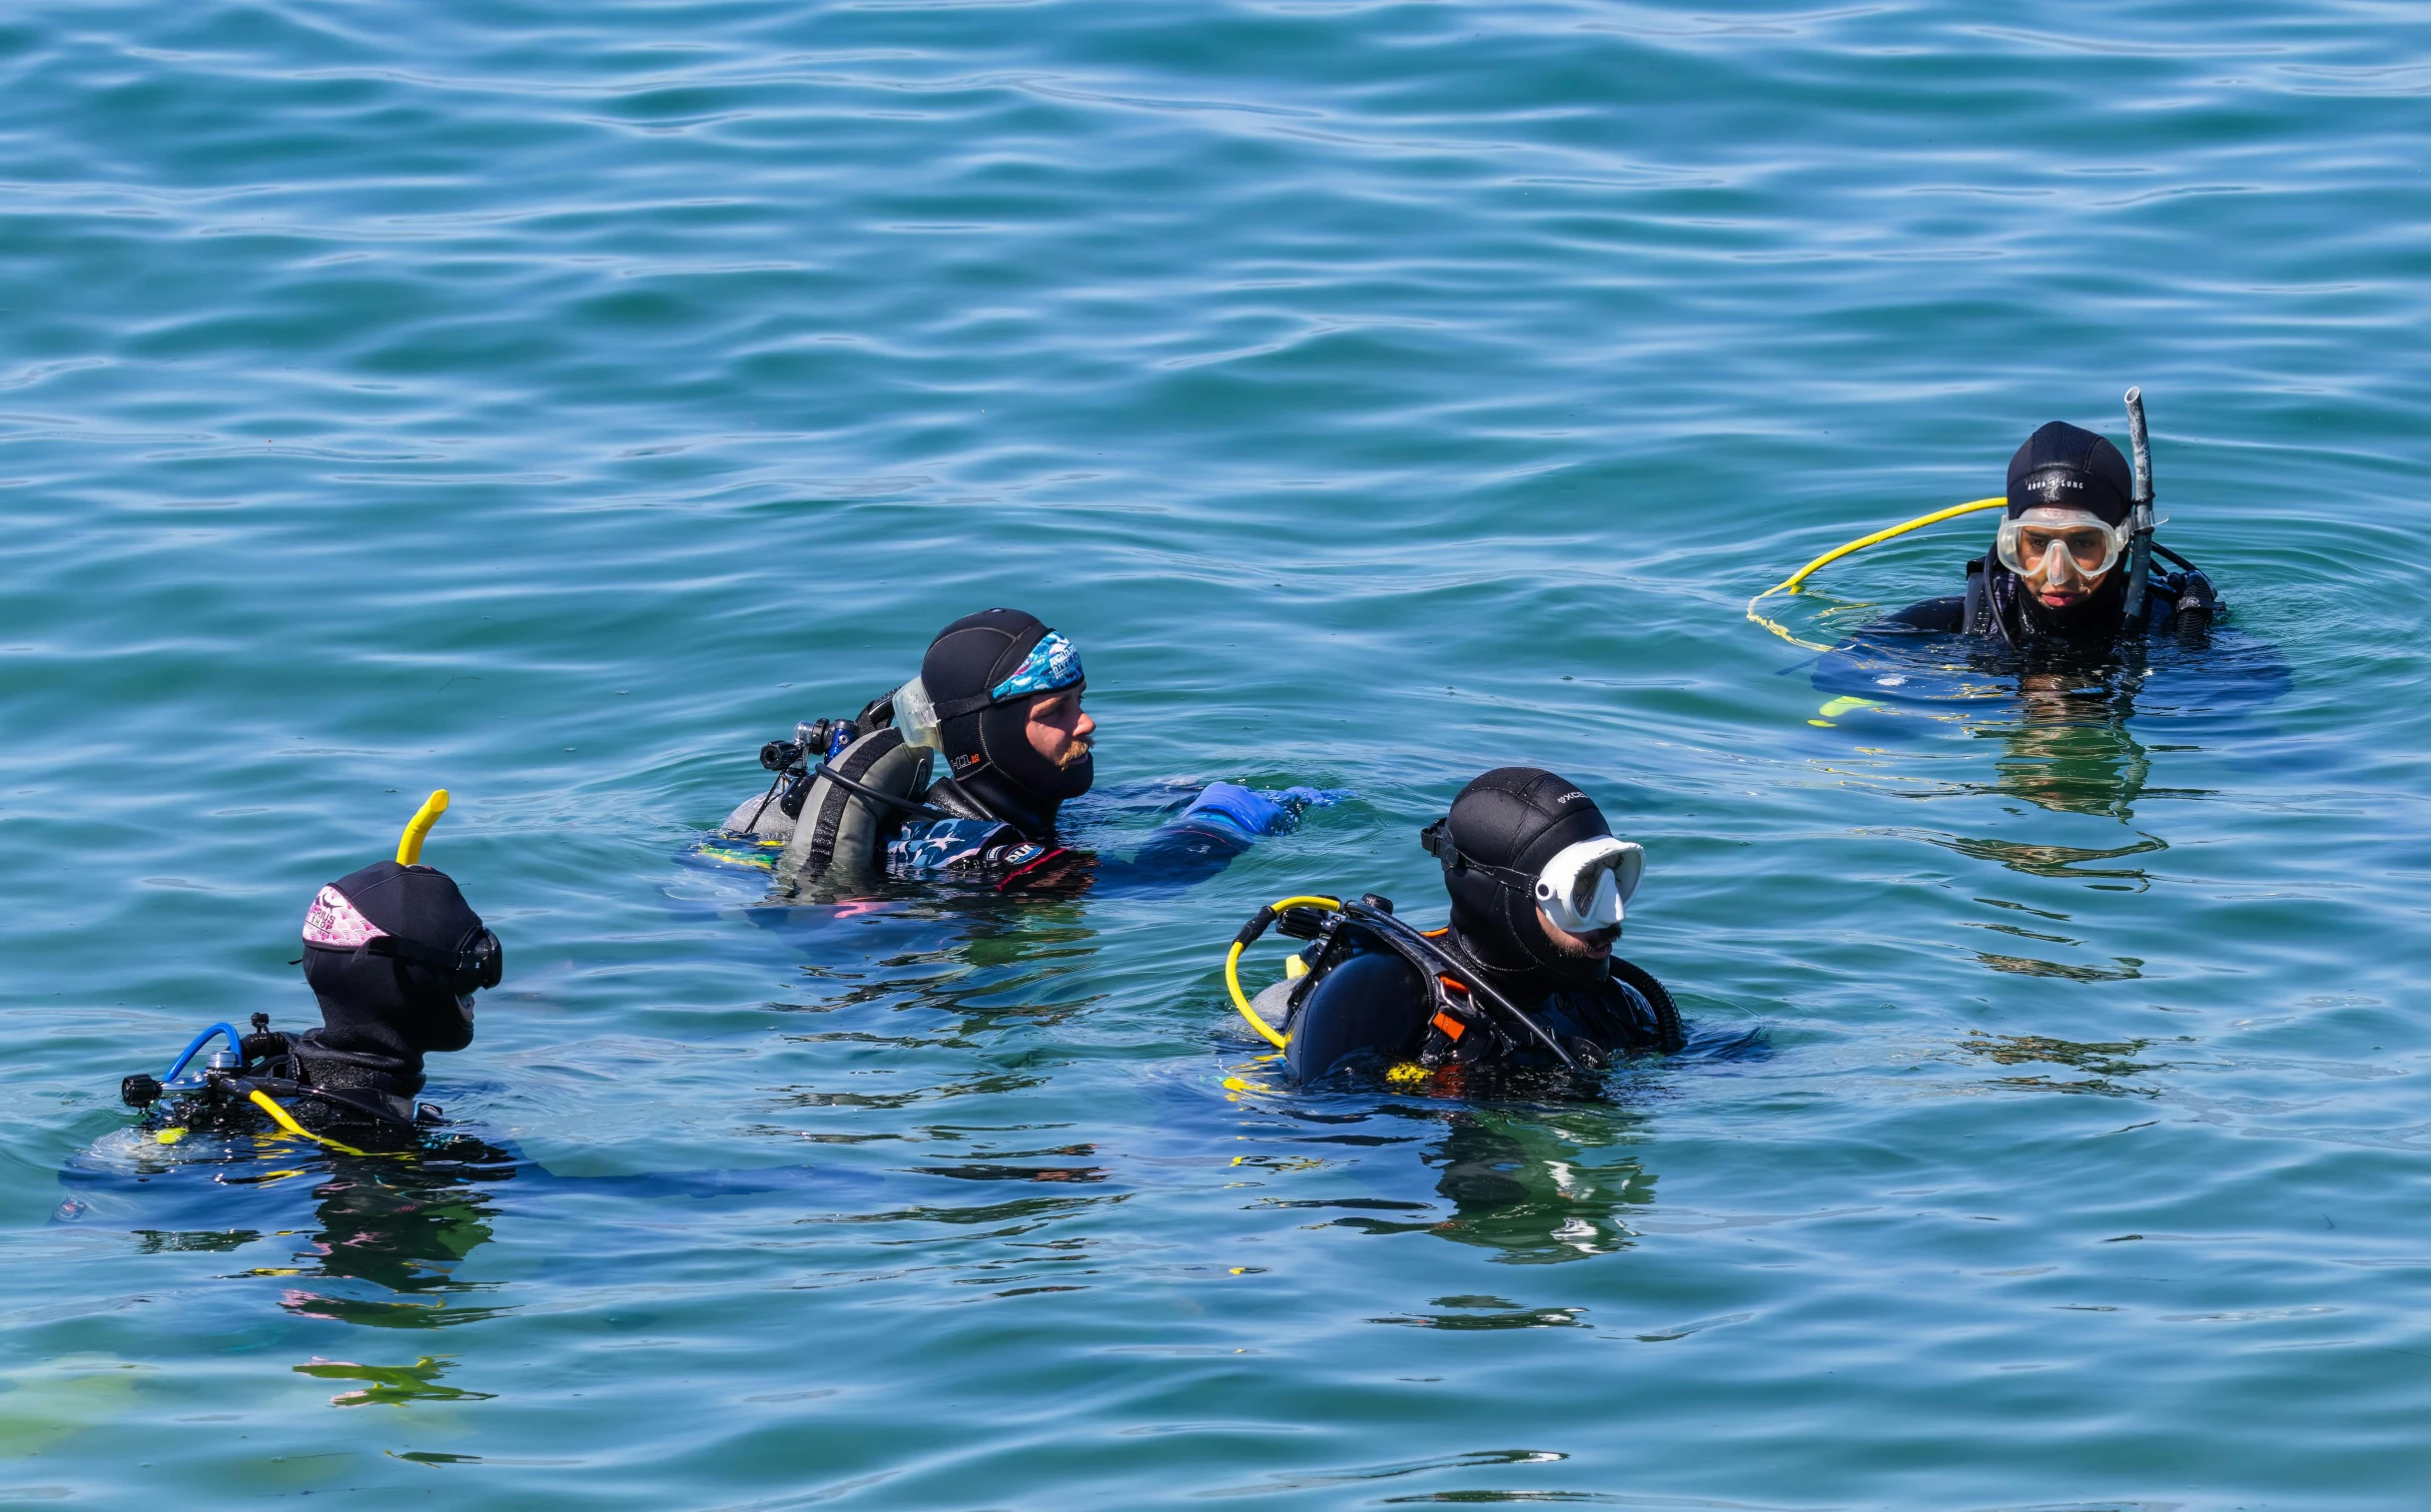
(2053, 543)
(1583, 886)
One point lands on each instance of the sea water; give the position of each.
(551, 403)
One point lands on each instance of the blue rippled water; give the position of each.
(551, 403)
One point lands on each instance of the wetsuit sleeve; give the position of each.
(1224, 820)
(1254, 814)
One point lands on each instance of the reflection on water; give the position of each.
(392, 1235)
(2107, 1064)
(1524, 1185)
(381, 1240)
(391, 1385)
(1519, 1188)
(2071, 752)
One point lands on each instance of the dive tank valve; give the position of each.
(814, 741)
(139, 1090)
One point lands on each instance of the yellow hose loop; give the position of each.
(1231, 980)
(1789, 583)
(417, 829)
(1232, 967)
(285, 1121)
(1330, 904)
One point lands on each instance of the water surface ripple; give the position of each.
(551, 403)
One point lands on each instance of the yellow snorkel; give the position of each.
(417, 829)
(1789, 583)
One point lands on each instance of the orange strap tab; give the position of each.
(1453, 1028)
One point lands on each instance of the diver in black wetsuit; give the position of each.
(999, 697)
(393, 955)
(1524, 976)
(2058, 572)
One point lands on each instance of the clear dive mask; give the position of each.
(1583, 886)
(2052, 546)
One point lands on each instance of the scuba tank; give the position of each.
(855, 799)
(843, 787)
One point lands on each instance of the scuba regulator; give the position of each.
(252, 1074)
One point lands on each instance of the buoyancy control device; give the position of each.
(844, 787)
(1462, 1019)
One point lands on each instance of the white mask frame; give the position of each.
(1583, 888)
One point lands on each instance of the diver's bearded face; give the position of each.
(1058, 729)
(1594, 945)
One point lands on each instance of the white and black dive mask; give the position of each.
(1519, 838)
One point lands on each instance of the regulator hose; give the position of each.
(1789, 583)
(169, 1076)
(287, 1120)
(1257, 925)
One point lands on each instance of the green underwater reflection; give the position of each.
(1524, 1185)
(550, 406)
(388, 1241)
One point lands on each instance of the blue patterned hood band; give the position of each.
(1053, 663)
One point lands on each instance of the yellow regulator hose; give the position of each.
(287, 1120)
(417, 829)
(1248, 934)
(1789, 583)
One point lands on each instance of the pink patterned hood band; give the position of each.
(336, 923)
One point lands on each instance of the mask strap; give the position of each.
(1437, 839)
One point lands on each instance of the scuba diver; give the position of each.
(999, 697)
(2054, 571)
(2069, 610)
(1524, 976)
(393, 955)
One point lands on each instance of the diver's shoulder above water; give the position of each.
(859, 801)
(1522, 979)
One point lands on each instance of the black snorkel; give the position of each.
(2139, 541)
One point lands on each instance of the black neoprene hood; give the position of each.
(969, 658)
(2064, 467)
(1516, 818)
(376, 1004)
